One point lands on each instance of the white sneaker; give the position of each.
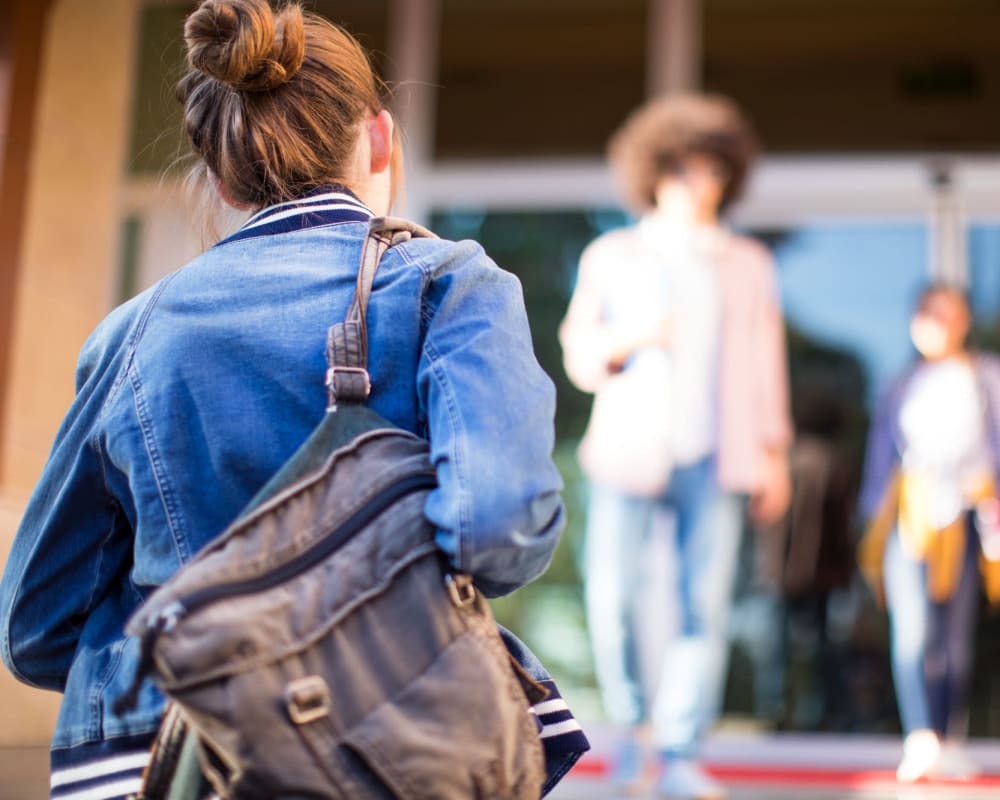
(921, 751)
(954, 763)
(684, 779)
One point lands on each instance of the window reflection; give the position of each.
(847, 290)
(853, 286)
(984, 274)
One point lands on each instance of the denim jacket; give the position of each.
(191, 395)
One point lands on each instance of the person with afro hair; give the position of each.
(675, 325)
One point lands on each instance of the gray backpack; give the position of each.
(321, 647)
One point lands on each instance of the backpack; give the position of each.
(321, 646)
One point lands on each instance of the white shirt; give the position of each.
(942, 423)
(681, 260)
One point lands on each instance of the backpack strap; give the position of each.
(347, 377)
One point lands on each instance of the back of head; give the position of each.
(273, 100)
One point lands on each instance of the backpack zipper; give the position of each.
(325, 547)
(169, 616)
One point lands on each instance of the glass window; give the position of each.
(810, 650)
(847, 289)
(984, 292)
(523, 78)
(543, 248)
(852, 286)
(984, 277)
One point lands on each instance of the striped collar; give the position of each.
(325, 205)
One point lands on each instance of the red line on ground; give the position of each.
(592, 766)
(806, 777)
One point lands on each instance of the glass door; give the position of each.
(853, 242)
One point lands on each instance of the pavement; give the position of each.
(752, 765)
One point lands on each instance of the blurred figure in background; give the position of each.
(799, 561)
(929, 493)
(675, 325)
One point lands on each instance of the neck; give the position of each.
(374, 193)
(688, 222)
(707, 219)
(954, 355)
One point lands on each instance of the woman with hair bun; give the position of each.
(675, 326)
(190, 396)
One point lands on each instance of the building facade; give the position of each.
(880, 118)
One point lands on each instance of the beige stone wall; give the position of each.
(26, 715)
(69, 261)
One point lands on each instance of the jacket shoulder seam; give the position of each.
(132, 343)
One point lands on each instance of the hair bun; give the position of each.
(244, 44)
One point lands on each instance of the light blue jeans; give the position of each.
(931, 643)
(709, 522)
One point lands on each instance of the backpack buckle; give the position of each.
(307, 699)
(349, 389)
(460, 589)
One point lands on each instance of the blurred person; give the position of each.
(807, 555)
(929, 493)
(190, 396)
(675, 325)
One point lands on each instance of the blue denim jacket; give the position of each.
(192, 394)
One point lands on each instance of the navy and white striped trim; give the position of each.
(109, 778)
(558, 719)
(563, 739)
(329, 206)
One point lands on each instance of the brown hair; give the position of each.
(664, 131)
(274, 100)
(960, 293)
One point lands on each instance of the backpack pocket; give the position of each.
(442, 737)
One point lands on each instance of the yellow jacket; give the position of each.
(903, 508)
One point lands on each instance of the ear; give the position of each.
(227, 198)
(380, 138)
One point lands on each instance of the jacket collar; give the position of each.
(325, 205)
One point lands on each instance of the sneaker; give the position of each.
(954, 763)
(921, 751)
(684, 779)
(629, 767)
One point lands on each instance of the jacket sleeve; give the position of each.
(72, 542)
(490, 412)
(586, 339)
(772, 372)
(880, 455)
(988, 368)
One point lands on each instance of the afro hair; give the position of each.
(660, 134)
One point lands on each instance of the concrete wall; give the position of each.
(68, 263)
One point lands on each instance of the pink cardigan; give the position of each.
(753, 377)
